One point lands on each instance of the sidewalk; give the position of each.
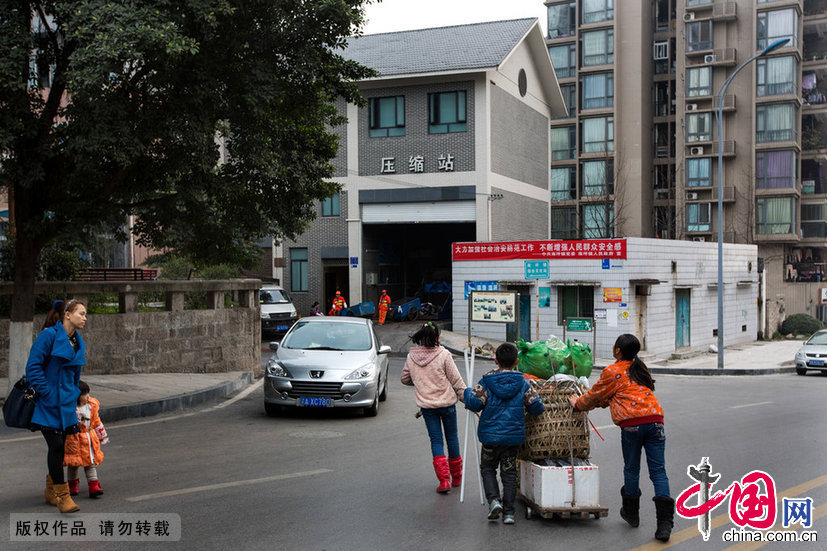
(140, 395)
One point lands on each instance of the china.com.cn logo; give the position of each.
(752, 501)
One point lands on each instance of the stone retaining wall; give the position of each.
(174, 340)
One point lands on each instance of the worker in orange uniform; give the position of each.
(384, 305)
(338, 304)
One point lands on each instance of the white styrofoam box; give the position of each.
(552, 487)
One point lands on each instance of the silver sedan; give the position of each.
(325, 362)
(813, 355)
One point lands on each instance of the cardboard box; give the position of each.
(552, 487)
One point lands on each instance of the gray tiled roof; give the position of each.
(456, 48)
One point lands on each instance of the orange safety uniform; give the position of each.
(338, 304)
(384, 305)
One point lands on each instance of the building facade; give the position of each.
(452, 145)
(636, 154)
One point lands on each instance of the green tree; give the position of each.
(210, 120)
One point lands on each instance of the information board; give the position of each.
(493, 306)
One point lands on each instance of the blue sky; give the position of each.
(403, 15)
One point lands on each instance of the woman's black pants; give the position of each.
(56, 441)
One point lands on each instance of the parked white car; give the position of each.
(278, 313)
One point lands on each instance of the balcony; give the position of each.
(722, 57)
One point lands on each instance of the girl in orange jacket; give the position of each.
(84, 448)
(627, 388)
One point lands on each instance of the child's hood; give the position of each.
(504, 384)
(423, 355)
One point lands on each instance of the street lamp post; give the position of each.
(719, 117)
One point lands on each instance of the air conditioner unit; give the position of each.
(699, 238)
(689, 16)
(691, 196)
(709, 58)
(691, 106)
(698, 150)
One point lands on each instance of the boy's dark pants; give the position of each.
(506, 458)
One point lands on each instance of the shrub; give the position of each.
(801, 324)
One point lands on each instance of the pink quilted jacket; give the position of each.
(434, 376)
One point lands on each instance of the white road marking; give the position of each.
(240, 395)
(228, 485)
(750, 405)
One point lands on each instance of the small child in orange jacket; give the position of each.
(84, 448)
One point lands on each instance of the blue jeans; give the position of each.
(435, 420)
(652, 438)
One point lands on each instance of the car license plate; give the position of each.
(816, 362)
(315, 402)
(281, 328)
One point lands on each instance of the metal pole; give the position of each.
(719, 112)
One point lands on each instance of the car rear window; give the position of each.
(328, 336)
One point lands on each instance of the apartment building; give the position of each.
(637, 152)
(452, 145)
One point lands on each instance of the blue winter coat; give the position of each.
(53, 370)
(501, 395)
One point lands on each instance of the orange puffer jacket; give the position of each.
(83, 449)
(630, 403)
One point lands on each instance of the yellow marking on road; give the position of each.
(722, 520)
(222, 485)
(750, 545)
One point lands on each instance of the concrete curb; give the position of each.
(173, 403)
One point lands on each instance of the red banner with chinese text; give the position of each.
(513, 250)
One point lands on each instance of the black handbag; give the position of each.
(19, 405)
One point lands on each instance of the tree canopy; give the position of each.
(114, 108)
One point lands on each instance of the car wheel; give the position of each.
(272, 409)
(384, 394)
(800, 370)
(373, 409)
(413, 313)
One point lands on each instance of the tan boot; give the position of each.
(64, 500)
(49, 494)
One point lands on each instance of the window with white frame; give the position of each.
(774, 215)
(597, 134)
(597, 90)
(597, 47)
(387, 116)
(598, 221)
(775, 169)
(698, 82)
(775, 123)
(777, 24)
(698, 36)
(563, 183)
(699, 127)
(699, 172)
(597, 177)
(564, 59)
(698, 217)
(776, 75)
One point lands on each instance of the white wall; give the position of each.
(647, 259)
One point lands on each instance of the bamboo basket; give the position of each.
(559, 432)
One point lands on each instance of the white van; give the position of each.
(277, 311)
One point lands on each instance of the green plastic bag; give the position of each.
(533, 358)
(582, 359)
(559, 355)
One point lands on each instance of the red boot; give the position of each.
(455, 464)
(74, 487)
(442, 473)
(95, 489)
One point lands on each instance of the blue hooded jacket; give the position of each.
(502, 397)
(53, 370)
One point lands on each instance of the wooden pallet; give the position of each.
(562, 512)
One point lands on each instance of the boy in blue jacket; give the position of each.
(503, 395)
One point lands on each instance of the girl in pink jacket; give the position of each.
(431, 370)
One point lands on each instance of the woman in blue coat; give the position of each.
(55, 362)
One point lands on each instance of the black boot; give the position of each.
(665, 511)
(630, 511)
